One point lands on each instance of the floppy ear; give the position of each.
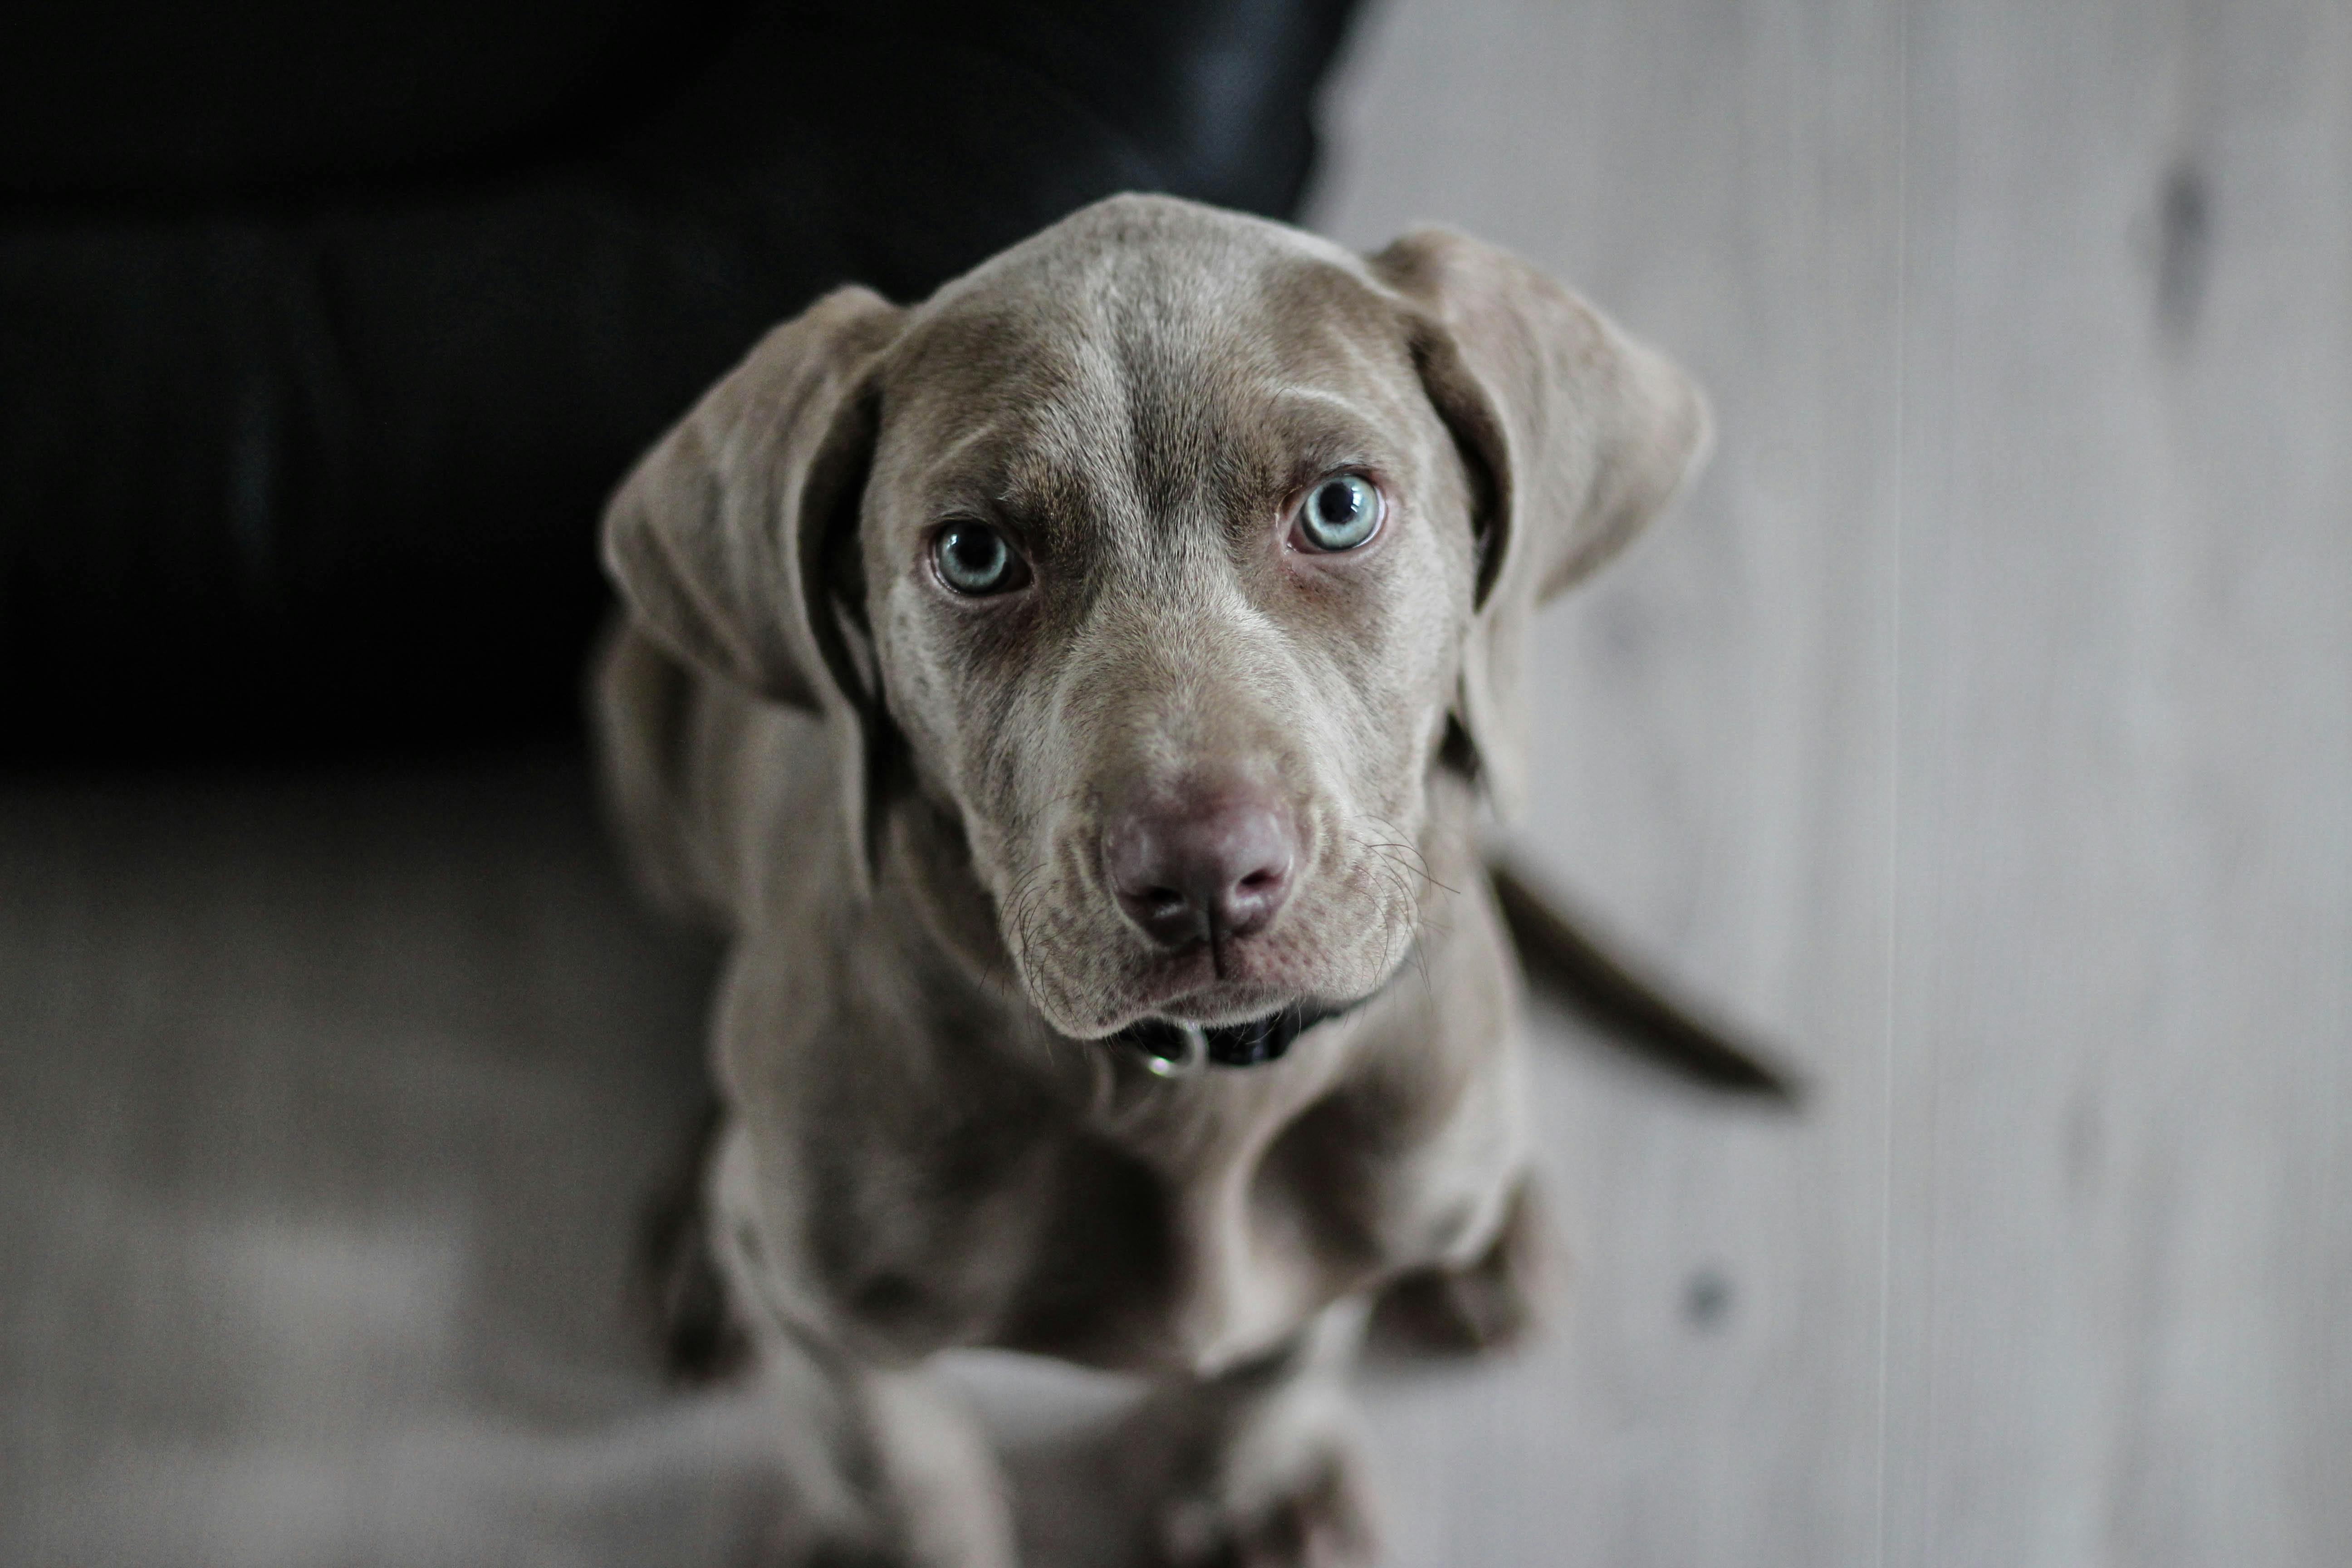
(1575, 434)
(727, 539)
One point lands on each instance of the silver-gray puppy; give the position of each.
(1075, 696)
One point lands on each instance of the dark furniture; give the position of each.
(324, 330)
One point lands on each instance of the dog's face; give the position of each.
(1173, 551)
(1170, 561)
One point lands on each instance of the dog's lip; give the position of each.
(1189, 992)
(1236, 961)
(1223, 1004)
(1258, 1006)
(1183, 988)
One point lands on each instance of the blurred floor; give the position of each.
(1984, 724)
(328, 1105)
(1980, 727)
(325, 1107)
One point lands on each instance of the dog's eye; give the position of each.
(1340, 513)
(975, 558)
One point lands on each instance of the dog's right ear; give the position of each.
(1575, 435)
(720, 539)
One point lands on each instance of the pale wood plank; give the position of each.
(2107, 584)
(2128, 694)
(1714, 755)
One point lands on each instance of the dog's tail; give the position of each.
(1633, 1013)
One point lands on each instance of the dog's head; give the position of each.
(1167, 558)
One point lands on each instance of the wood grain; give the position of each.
(1984, 723)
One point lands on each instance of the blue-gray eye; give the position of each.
(1340, 513)
(976, 558)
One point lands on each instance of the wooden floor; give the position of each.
(1980, 728)
(1984, 728)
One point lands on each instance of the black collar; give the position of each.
(1170, 1050)
(1173, 1050)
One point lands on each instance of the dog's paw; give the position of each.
(1496, 1301)
(1319, 1517)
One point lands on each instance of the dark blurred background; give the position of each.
(325, 331)
(1976, 731)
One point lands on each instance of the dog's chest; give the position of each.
(1187, 1223)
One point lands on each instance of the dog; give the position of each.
(1076, 698)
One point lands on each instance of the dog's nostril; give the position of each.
(1222, 866)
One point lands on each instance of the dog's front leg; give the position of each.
(880, 1466)
(1259, 1467)
(953, 1508)
(877, 1468)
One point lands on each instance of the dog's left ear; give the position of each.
(734, 541)
(1575, 434)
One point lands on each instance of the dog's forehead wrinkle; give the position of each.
(971, 456)
(1110, 394)
(1160, 352)
(1314, 407)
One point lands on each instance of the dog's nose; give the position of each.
(1220, 869)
